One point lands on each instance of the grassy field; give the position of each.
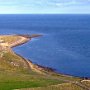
(16, 80)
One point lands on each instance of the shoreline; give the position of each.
(31, 64)
(36, 67)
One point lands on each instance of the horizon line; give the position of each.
(44, 13)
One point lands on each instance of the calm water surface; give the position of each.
(64, 46)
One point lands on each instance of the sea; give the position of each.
(64, 46)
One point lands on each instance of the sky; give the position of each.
(44, 6)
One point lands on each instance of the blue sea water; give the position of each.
(64, 46)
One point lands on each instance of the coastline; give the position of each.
(39, 69)
(35, 67)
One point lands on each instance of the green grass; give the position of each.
(21, 84)
(14, 80)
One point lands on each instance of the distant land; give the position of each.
(18, 73)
